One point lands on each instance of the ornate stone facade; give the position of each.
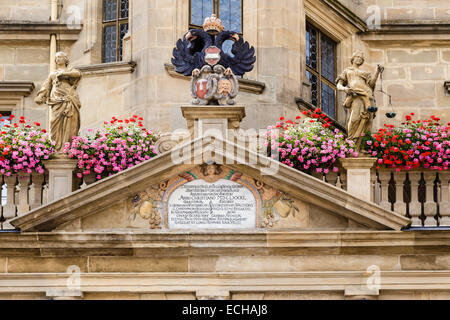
(414, 54)
(309, 238)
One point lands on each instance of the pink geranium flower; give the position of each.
(308, 145)
(114, 148)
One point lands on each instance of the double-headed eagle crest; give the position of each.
(200, 54)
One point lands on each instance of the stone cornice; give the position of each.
(210, 112)
(159, 282)
(347, 14)
(20, 88)
(135, 242)
(245, 85)
(127, 183)
(38, 31)
(108, 68)
(409, 30)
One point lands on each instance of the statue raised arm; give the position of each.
(59, 93)
(359, 86)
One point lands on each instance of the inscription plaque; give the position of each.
(223, 204)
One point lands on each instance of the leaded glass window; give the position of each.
(229, 11)
(115, 27)
(321, 69)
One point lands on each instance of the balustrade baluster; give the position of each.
(89, 179)
(36, 190)
(444, 204)
(9, 210)
(45, 188)
(24, 184)
(430, 205)
(373, 181)
(385, 177)
(399, 205)
(415, 208)
(332, 178)
(377, 191)
(343, 179)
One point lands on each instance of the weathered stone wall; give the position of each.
(414, 77)
(296, 265)
(401, 10)
(416, 63)
(26, 61)
(415, 70)
(27, 58)
(39, 11)
(24, 10)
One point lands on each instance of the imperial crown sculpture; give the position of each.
(213, 24)
(200, 54)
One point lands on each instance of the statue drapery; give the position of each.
(59, 92)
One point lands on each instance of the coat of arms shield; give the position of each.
(202, 88)
(212, 55)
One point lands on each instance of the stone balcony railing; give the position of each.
(422, 195)
(20, 194)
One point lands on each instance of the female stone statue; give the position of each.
(59, 92)
(359, 87)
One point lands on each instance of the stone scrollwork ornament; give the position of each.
(200, 54)
(148, 204)
(276, 205)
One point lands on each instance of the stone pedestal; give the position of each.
(60, 176)
(216, 121)
(358, 176)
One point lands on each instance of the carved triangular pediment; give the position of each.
(210, 184)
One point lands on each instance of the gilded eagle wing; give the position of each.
(242, 56)
(189, 53)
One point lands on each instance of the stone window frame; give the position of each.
(216, 10)
(318, 73)
(117, 22)
(13, 94)
(341, 26)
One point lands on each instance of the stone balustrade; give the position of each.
(422, 195)
(21, 193)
